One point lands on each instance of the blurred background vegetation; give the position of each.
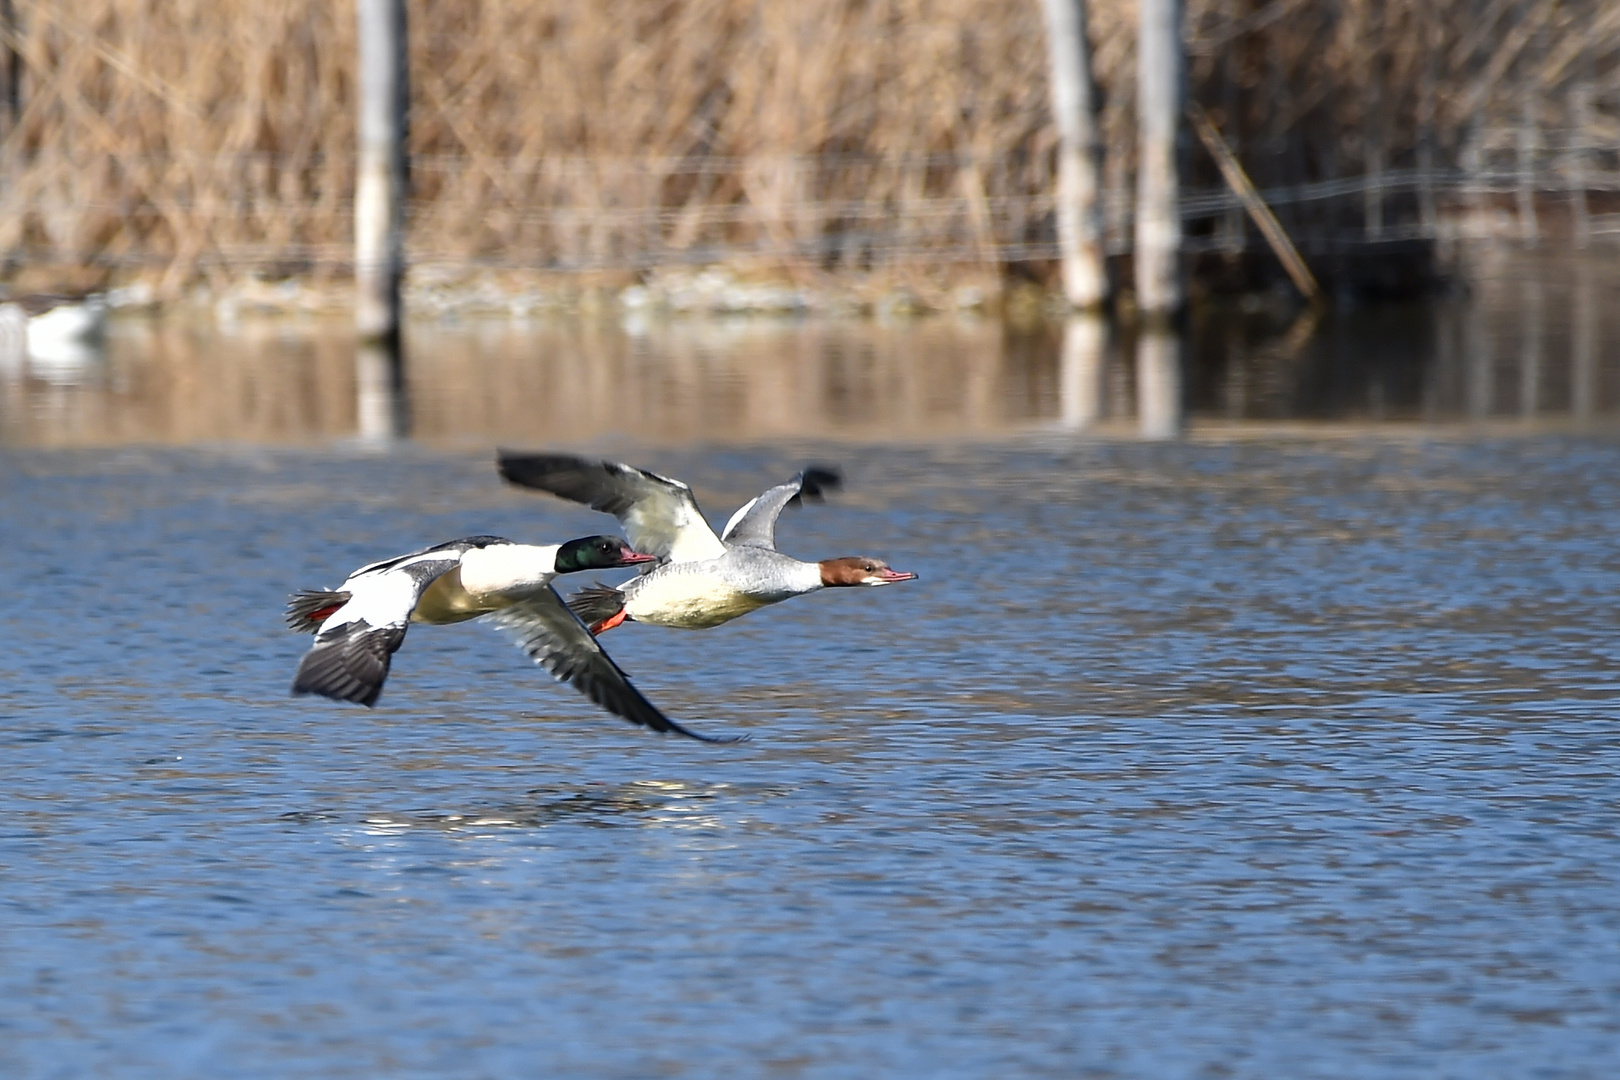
(189, 140)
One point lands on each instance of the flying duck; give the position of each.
(702, 580)
(359, 626)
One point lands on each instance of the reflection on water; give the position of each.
(712, 380)
(1082, 386)
(1158, 385)
(384, 411)
(170, 381)
(1531, 340)
(669, 804)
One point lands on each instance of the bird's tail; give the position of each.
(596, 606)
(308, 608)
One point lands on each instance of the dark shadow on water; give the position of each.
(643, 803)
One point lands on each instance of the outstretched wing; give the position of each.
(350, 664)
(754, 523)
(659, 516)
(357, 640)
(555, 639)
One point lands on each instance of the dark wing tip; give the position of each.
(717, 740)
(524, 469)
(815, 481)
(617, 695)
(556, 639)
(336, 684)
(351, 668)
(610, 486)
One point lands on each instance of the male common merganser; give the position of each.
(704, 580)
(360, 626)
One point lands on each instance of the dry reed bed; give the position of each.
(206, 138)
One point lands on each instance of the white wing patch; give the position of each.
(754, 524)
(663, 517)
(742, 512)
(387, 597)
(693, 539)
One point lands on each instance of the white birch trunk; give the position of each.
(379, 197)
(1079, 180)
(1581, 113)
(1159, 104)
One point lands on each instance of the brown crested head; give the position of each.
(859, 570)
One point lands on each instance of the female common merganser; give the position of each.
(360, 626)
(704, 580)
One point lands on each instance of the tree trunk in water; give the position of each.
(1079, 180)
(1159, 106)
(379, 198)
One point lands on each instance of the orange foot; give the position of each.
(608, 623)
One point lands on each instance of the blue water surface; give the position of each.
(1236, 757)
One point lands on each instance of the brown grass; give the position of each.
(205, 138)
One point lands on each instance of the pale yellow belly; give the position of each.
(446, 601)
(690, 602)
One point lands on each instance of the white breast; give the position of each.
(689, 601)
(507, 570)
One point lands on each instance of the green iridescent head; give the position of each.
(597, 553)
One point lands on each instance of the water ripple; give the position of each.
(1228, 758)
